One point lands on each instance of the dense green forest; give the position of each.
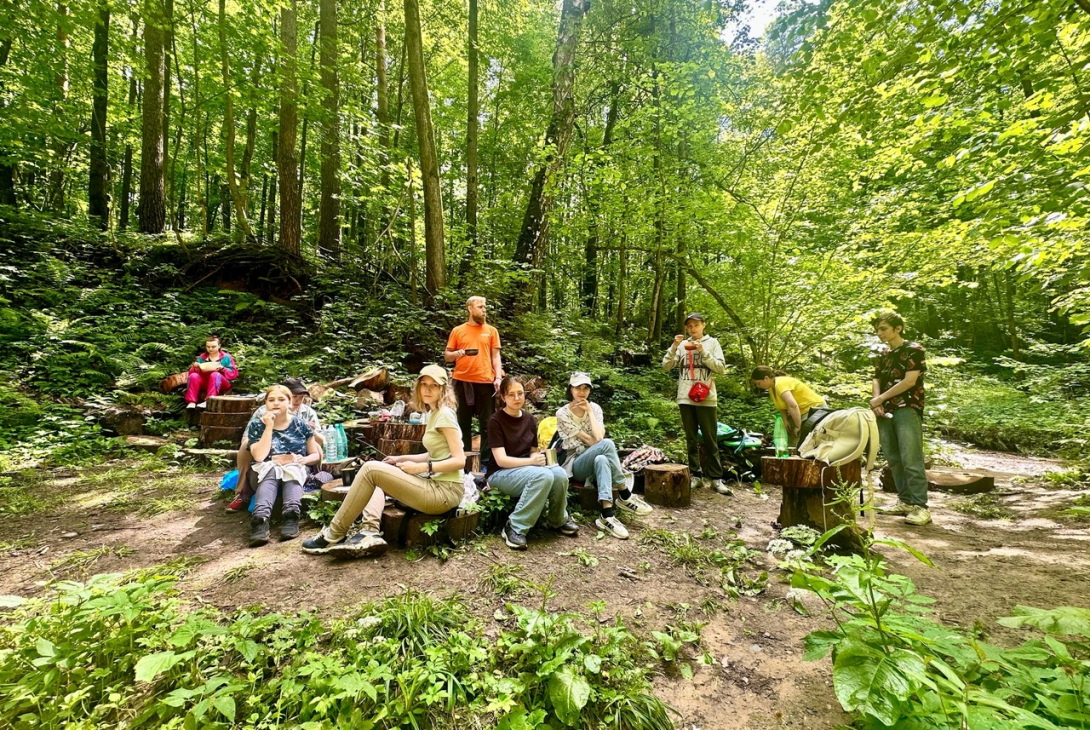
(596, 170)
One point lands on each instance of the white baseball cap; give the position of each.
(579, 379)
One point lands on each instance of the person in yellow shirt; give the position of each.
(800, 406)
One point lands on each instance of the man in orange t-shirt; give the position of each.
(474, 347)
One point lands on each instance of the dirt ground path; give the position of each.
(758, 680)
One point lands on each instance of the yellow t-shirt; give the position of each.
(803, 394)
(436, 443)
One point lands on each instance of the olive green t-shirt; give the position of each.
(436, 443)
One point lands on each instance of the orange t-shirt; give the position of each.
(482, 337)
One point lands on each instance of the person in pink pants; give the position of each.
(214, 379)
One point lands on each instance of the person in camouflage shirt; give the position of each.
(898, 402)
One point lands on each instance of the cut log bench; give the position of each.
(667, 485)
(587, 496)
(398, 532)
(955, 481)
(809, 497)
(225, 418)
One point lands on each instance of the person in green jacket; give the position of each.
(699, 359)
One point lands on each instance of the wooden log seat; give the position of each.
(667, 485)
(809, 496)
(955, 481)
(399, 447)
(397, 431)
(587, 496)
(231, 404)
(402, 528)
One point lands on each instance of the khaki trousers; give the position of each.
(423, 495)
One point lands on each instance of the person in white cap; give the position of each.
(699, 359)
(588, 453)
(430, 482)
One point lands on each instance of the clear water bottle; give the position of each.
(779, 439)
(330, 435)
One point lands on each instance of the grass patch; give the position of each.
(1077, 477)
(26, 542)
(82, 560)
(983, 506)
(700, 560)
(505, 580)
(238, 573)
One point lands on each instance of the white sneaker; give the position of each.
(901, 509)
(919, 516)
(721, 486)
(202, 404)
(191, 405)
(635, 505)
(696, 483)
(613, 526)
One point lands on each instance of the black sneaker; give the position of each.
(514, 540)
(259, 531)
(290, 529)
(318, 545)
(569, 528)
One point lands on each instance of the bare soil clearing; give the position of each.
(983, 569)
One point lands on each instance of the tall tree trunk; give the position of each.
(329, 209)
(126, 169)
(435, 262)
(622, 283)
(237, 195)
(681, 283)
(152, 209)
(271, 223)
(98, 199)
(306, 118)
(60, 146)
(286, 161)
(412, 230)
(472, 130)
(383, 110)
(7, 164)
(590, 269)
(535, 223)
(264, 201)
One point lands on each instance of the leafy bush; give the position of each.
(121, 650)
(895, 666)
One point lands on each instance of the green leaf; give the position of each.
(870, 681)
(45, 648)
(152, 665)
(593, 663)
(569, 693)
(1063, 621)
(907, 548)
(226, 706)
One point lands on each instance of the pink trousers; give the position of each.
(211, 383)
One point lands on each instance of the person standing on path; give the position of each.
(700, 358)
(474, 348)
(898, 403)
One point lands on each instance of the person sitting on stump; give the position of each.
(299, 407)
(587, 453)
(898, 404)
(282, 445)
(430, 482)
(801, 408)
(519, 470)
(699, 359)
(211, 373)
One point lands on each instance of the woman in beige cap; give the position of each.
(430, 482)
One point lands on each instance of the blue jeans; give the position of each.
(535, 487)
(602, 462)
(902, 443)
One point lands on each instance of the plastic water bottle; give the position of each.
(342, 441)
(779, 439)
(330, 435)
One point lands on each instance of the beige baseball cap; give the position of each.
(436, 373)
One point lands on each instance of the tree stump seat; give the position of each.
(587, 496)
(809, 497)
(225, 417)
(667, 485)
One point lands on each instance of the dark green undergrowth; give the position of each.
(125, 651)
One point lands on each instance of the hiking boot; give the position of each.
(290, 529)
(635, 505)
(721, 486)
(364, 544)
(900, 509)
(918, 516)
(569, 528)
(237, 504)
(259, 531)
(512, 539)
(612, 526)
(319, 545)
